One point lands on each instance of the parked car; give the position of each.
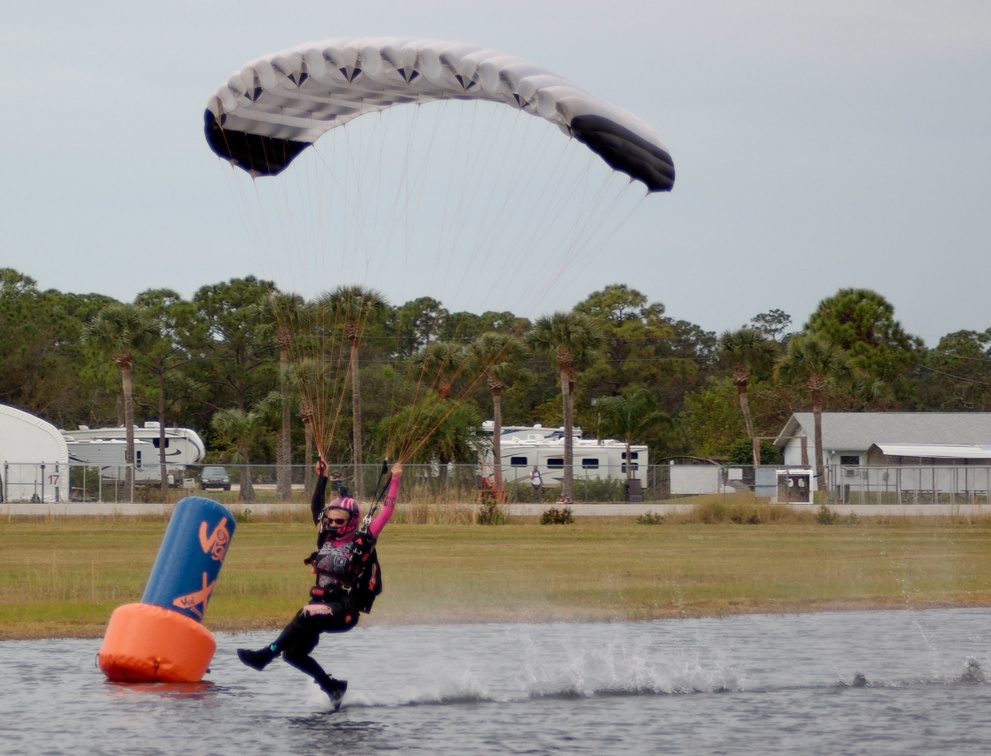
(215, 477)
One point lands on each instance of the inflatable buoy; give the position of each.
(162, 639)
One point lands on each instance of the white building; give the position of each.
(880, 450)
(34, 458)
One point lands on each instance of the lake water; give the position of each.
(752, 684)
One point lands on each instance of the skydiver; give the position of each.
(347, 581)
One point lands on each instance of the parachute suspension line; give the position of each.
(410, 195)
(591, 230)
(487, 236)
(529, 237)
(442, 116)
(331, 350)
(410, 199)
(380, 491)
(295, 324)
(310, 378)
(538, 221)
(463, 200)
(333, 347)
(356, 246)
(355, 242)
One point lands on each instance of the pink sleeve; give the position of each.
(388, 507)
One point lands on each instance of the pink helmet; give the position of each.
(348, 505)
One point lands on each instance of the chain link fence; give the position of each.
(464, 484)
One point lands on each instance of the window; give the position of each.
(590, 463)
(634, 467)
(849, 459)
(633, 455)
(156, 442)
(555, 462)
(517, 462)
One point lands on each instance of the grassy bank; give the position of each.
(63, 577)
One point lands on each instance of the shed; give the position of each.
(34, 458)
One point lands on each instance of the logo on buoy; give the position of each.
(215, 544)
(192, 600)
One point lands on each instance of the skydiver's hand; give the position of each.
(397, 469)
(321, 467)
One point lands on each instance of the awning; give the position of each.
(935, 451)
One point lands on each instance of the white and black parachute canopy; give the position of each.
(276, 106)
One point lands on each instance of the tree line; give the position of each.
(243, 364)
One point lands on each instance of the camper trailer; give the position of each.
(104, 448)
(603, 459)
(108, 456)
(183, 446)
(525, 431)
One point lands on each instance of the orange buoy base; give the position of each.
(146, 643)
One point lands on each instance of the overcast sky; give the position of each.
(819, 144)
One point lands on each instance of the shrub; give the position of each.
(739, 509)
(650, 518)
(594, 489)
(490, 513)
(742, 453)
(826, 516)
(555, 516)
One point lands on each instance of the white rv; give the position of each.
(104, 448)
(34, 459)
(509, 431)
(183, 446)
(108, 456)
(524, 447)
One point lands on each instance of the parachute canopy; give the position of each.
(275, 107)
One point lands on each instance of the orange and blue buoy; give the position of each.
(162, 638)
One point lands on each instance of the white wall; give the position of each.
(34, 459)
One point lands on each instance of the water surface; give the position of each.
(753, 684)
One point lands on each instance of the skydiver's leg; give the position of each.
(297, 641)
(328, 618)
(291, 634)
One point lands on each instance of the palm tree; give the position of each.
(354, 307)
(235, 430)
(814, 362)
(309, 383)
(433, 430)
(120, 330)
(164, 356)
(287, 309)
(499, 357)
(571, 339)
(442, 362)
(747, 350)
(632, 414)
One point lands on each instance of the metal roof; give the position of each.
(858, 430)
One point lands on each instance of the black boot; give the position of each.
(335, 689)
(256, 659)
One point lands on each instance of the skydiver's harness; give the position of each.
(349, 573)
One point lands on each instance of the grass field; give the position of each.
(63, 577)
